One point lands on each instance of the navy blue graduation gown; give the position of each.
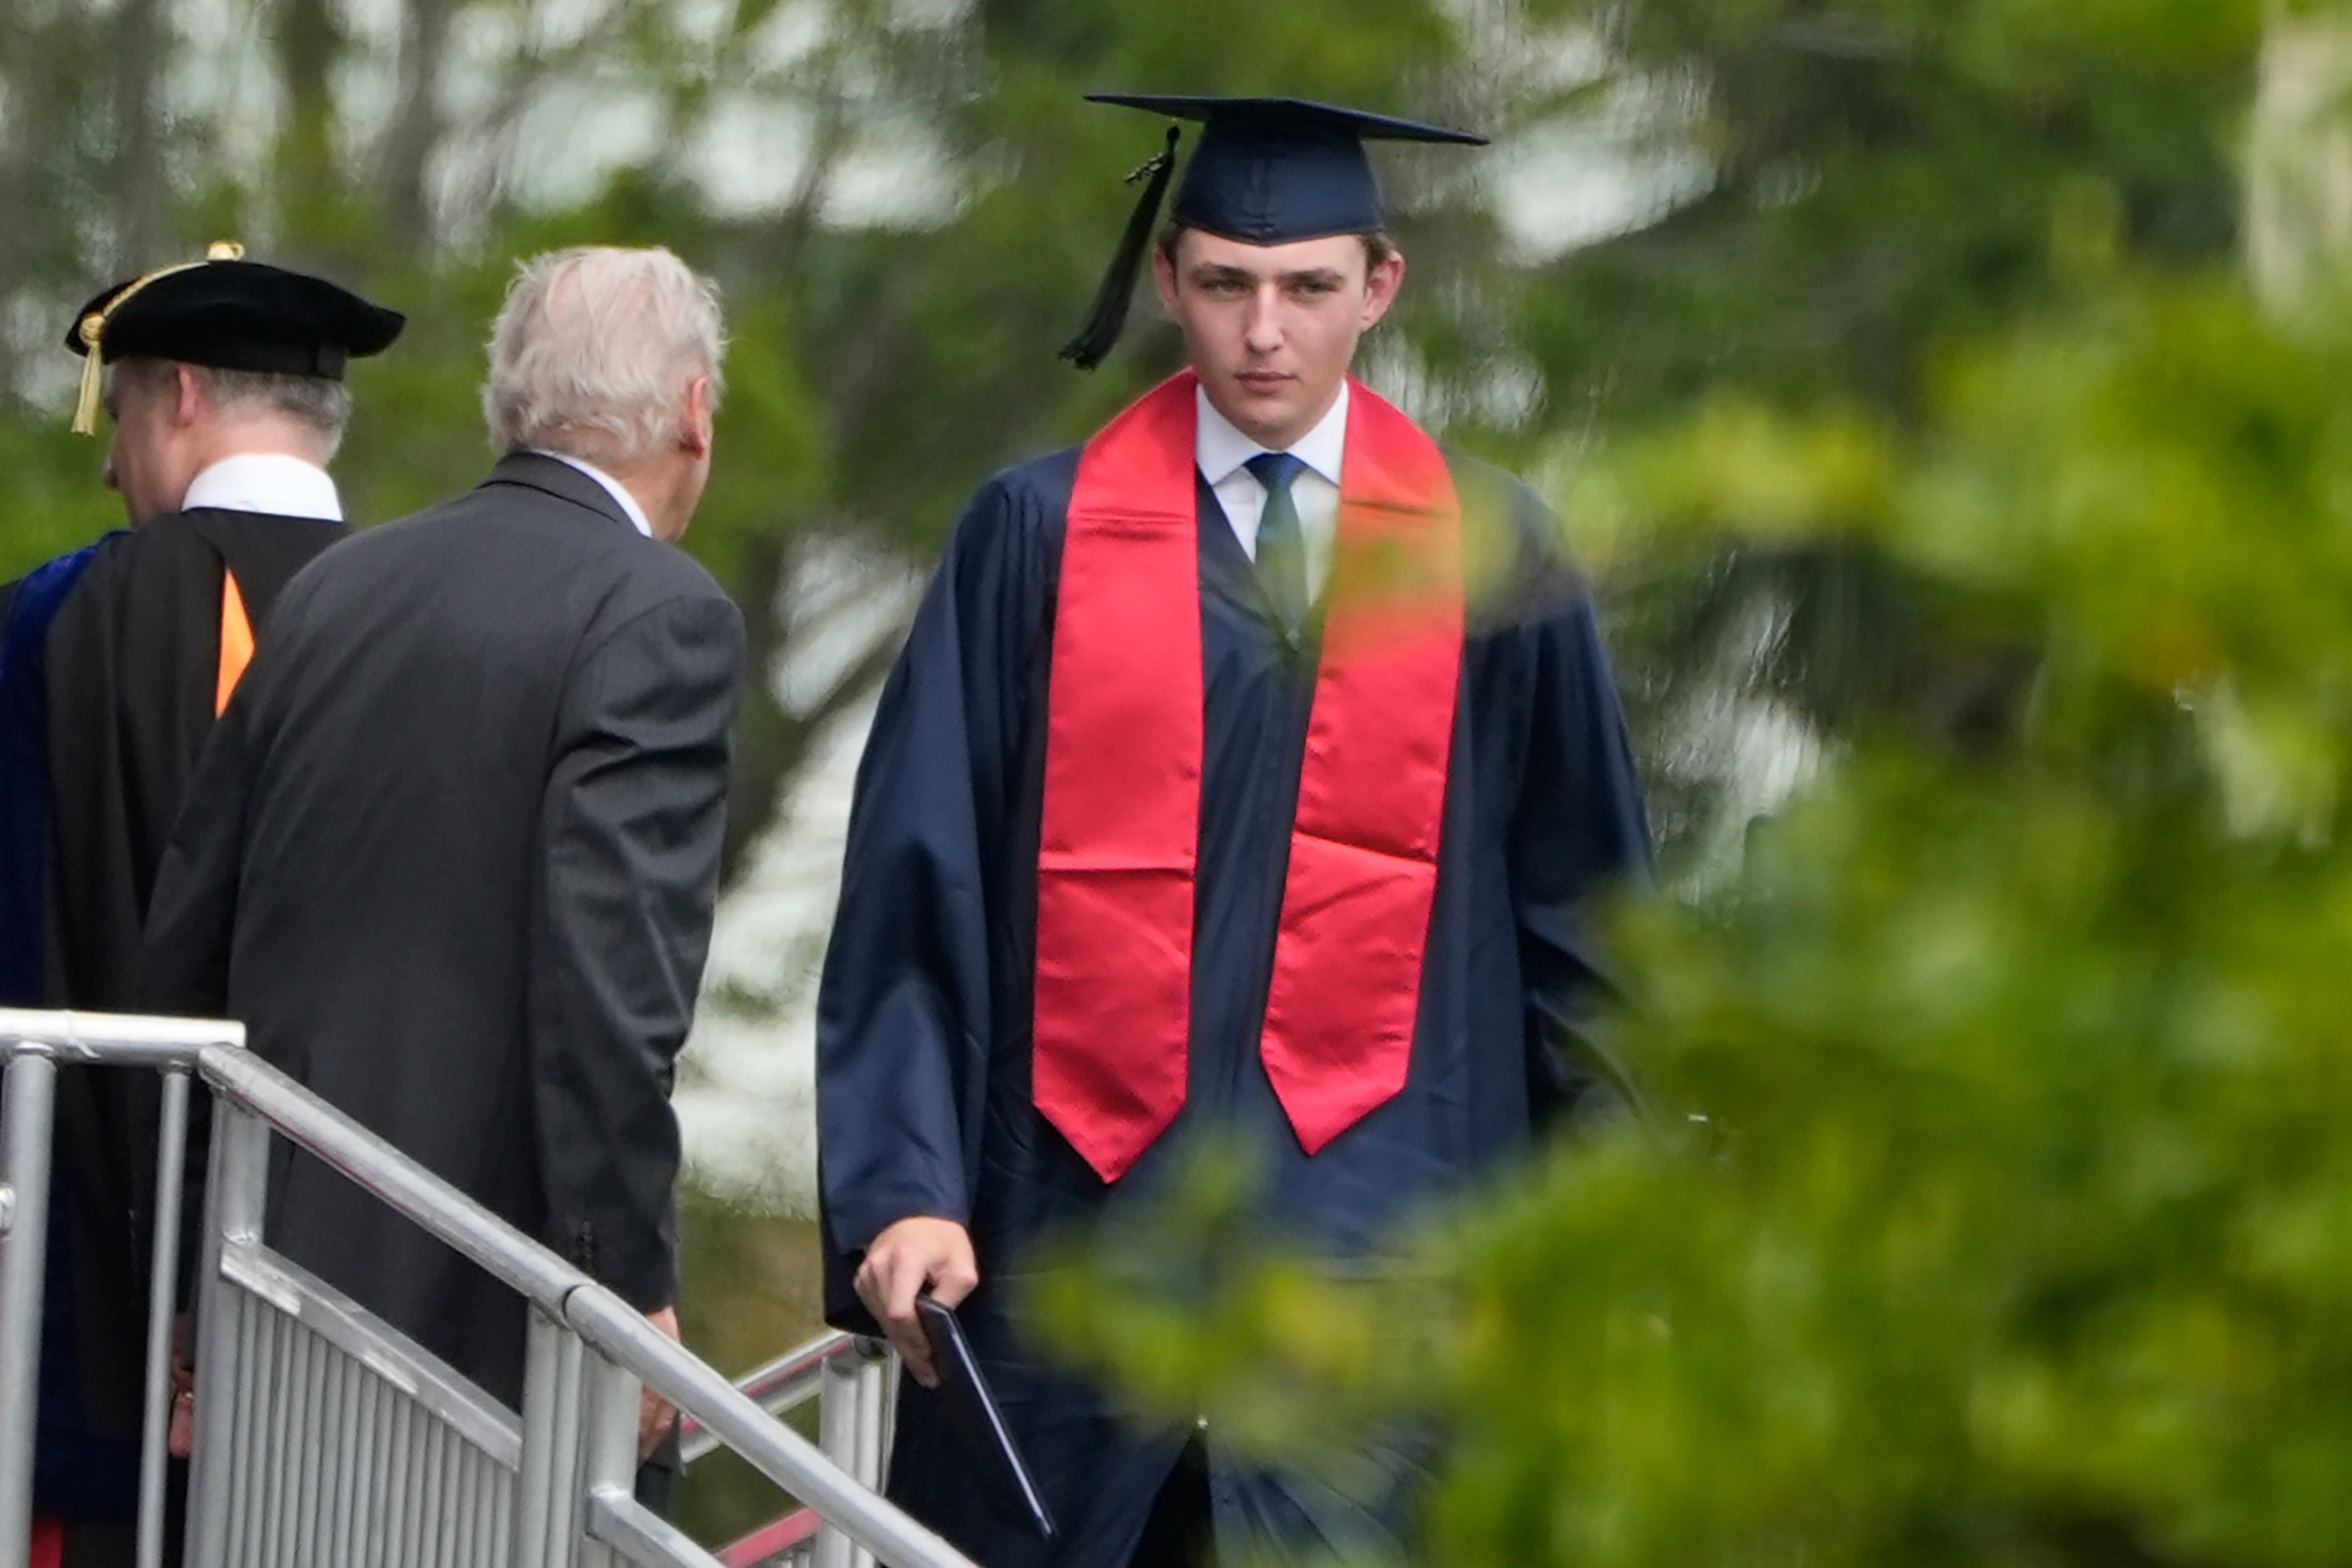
(924, 1026)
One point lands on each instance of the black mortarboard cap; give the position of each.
(1266, 171)
(231, 314)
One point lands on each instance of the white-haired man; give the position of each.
(452, 853)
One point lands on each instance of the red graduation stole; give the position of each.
(1122, 806)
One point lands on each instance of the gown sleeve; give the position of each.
(1578, 832)
(905, 1006)
(631, 823)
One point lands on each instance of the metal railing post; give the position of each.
(546, 1530)
(866, 1464)
(236, 1194)
(28, 1102)
(608, 1458)
(163, 1293)
(873, 1416)
(836, 1434)
(893, 1370)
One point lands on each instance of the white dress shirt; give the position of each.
(614, 488)
(275, 482)
(1224, 454)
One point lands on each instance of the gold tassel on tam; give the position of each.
(93, 375)
(93, 330)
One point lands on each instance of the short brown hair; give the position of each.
(1377, 246)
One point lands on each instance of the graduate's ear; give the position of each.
(1381, 282)
(1163, 273)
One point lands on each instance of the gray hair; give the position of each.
(317, 403)
(592, 352)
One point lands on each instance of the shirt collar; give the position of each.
(275, 482)
(614, 488)
(1222, 449)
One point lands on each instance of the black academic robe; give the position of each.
(112, 665)
(924, 1024)
(451, 858)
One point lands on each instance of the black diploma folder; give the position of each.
(978, 1428)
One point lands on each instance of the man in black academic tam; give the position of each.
(1214, 798)
(236, 315)
(224, 382)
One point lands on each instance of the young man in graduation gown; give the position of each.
(1214, 790)
(224, 379)
(453, 853)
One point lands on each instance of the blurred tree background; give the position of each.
(1949, 397)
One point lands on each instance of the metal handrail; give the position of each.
(526, 1267)
(554, 1287)
(607, 1322)
(568, 1294)
(775, 1387)
(115, 1039)
(833, 1371)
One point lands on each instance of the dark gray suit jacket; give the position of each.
(451, 856)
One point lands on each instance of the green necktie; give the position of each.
(1281, 547)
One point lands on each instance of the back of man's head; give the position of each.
(594, 351)
(253, 410)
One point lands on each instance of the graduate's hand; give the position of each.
(908, 1259)
(655, 1413)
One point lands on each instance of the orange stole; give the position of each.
(1122, 796)
(236, 641)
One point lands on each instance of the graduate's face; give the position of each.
(1272, 328)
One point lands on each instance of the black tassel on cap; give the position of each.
(1108, 317)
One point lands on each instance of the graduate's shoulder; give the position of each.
(1492, 498)
(1011, 530)
(1514, 543)
(1030, 495)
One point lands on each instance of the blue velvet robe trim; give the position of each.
(25, 774)
(76, 1475)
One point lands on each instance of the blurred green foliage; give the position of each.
(1995, 1206)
